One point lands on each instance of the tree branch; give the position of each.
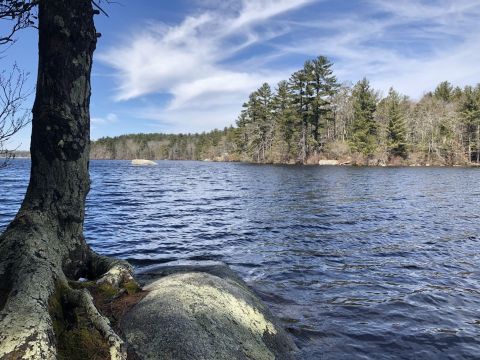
(13, 117)
(21, 13)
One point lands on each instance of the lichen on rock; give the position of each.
(197, 315)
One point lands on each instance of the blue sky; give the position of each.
(187, 66)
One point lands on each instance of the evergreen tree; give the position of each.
(364, 127)
(257, 123)
(444, 91)
(247, 123)
(396, 132)
(310, 111)
(470, 113)
(322, 86)
(286, 137)
(299, 86)
(265, 120)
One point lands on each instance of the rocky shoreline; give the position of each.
(202, 310)
(322, 162)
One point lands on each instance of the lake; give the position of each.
(358, 263)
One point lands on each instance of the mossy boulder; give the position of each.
(203, 313)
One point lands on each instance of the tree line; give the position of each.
(214, 145)
(311, 116)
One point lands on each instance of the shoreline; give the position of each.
(341, 164)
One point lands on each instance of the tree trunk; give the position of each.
(478, 143)
(304, 142)
(44, 246)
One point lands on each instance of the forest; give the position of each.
(311, 116)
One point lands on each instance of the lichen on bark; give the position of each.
(43, 249)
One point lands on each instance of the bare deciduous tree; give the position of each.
(43, 249)
(13, 116)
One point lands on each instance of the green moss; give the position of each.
(83, 343)
(131, 287)
(76, 336)
(106, 290)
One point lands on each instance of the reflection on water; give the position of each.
(357, 262)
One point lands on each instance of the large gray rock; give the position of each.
(328, 162)
(203, 311)
(143, 162)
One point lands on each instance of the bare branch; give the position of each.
(22, 14)
(99, 8)
(13, 116)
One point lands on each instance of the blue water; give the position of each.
(359, 263)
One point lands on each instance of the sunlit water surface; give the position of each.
(373, 263)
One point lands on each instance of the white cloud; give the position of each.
(201, 63)
(259, 10)
(187, 61)
(190, 120)
(109, 119)
(183, 60)
(412, 46)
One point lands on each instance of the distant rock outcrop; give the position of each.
(328, 162)
(203, 312)
(143, 162)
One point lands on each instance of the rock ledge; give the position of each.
(203, 311)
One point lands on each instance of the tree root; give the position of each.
(39, 307)
(83, 299)
(114, 272)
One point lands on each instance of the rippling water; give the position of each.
(373, 263)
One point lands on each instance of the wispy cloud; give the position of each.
(192, 62)
(186, 60)
(109, 119)
(410, 44)
(208, 63)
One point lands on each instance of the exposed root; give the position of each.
(118, 275)
(113, 303)
(83, 299)
(115, 272)
(41, 315)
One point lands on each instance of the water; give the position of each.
(359, 263)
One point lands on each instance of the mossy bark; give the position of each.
(44, 246)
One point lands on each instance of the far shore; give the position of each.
(326, 163)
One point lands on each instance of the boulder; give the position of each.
(328, 162)
(202, 311)
(143, 162)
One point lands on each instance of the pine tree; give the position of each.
(286, 137)
(396, 132)
(257, 123)
(263, 111)
(364, 128)
(444, 91)
(322, 86)
(470, 114)
(299, 86)
(247, 123)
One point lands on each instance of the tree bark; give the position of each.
(44, 246)
(478, 143)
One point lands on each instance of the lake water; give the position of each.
(359, 263)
